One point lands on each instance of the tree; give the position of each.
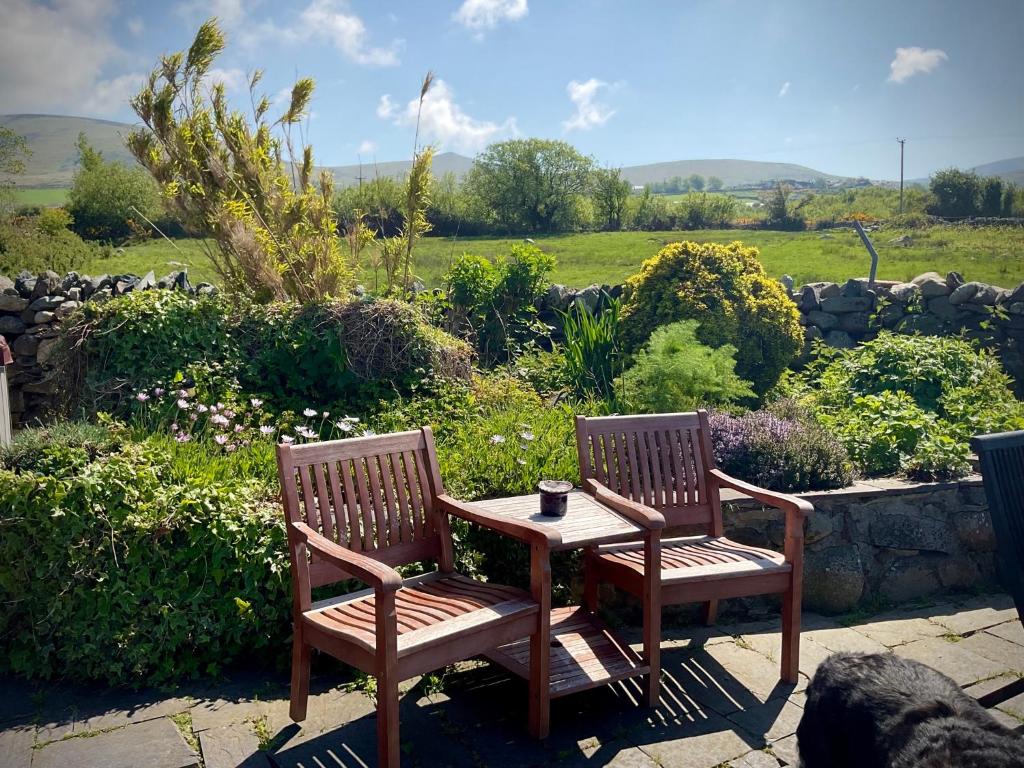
(610, 193)
(696, 182)
(531, 185)
(714, 184)
(991, 197)
(225, 176)
(108, 200)
(14, 152)
(956, 192)
(777, 214)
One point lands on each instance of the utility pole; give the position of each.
(901, 142)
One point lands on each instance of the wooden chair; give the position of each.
(357, 509)
(659, 470)
(1002, 469)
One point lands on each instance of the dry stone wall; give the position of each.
(31, 309)
(882, 540)
(845, 315)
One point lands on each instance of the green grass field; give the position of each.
(994, 255)
(40, 196)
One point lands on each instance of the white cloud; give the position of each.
(366, 147)
(444, 122)
(228, 12)
(385, 107)
(136, 26)
(784, 89)
(914, 60)
(233, 78)
(52, 56)
(109, 97)
(332, 21)
(480, 15)
(588, 111)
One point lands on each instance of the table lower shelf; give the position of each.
(584, 654)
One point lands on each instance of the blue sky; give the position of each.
(827, 84)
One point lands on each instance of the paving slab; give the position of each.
(724, 678)
(1011, 630)
(891, 631)
(755, 759)
(769, 645)
(977, 613)
(16, 740)
(772, 721)
(787, 751)
(838, 637)
(151, 744)
(703, 744)
(997, 649)
(1015, 707)
(88, 711)
(232, 747)
(961, 664)
(16, 700)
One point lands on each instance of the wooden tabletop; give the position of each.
(586, 521)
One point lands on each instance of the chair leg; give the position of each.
(590, 582)
(652, 650)
(790, 636)
(540, 691)
(709, 612)
(388, 744)
(300, 678)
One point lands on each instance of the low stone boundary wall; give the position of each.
(881, 540)
(31, 308)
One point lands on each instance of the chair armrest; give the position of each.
(366, 569)
(523, 530)
(649, 518)
(792, 505)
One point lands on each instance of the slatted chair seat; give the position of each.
(697, 558)
(430, 610)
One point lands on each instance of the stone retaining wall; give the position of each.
(31, 308)
(881, 540)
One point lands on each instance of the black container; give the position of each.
(554, 497)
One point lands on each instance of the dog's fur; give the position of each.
(881, 711)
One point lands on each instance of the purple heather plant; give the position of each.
(779, 453)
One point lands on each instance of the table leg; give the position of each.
(540, 644)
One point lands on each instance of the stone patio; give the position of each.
(722, 705)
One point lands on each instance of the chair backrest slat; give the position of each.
(1002, 470)
(661, 461)
(372, 495)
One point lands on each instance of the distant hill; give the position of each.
(446, 162)
(52, 141)
(1011, 169)
(733, 173)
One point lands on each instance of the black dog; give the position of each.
(881, 711)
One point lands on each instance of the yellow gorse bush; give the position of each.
(725, 289)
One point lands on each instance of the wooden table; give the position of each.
(583, 652)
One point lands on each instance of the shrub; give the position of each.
(725, 289)
(137, 574)
(291, 356)
(109, 200)
(675, 372)
(783, 454)
(493, 304)
(896, 396)
(35, 244)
